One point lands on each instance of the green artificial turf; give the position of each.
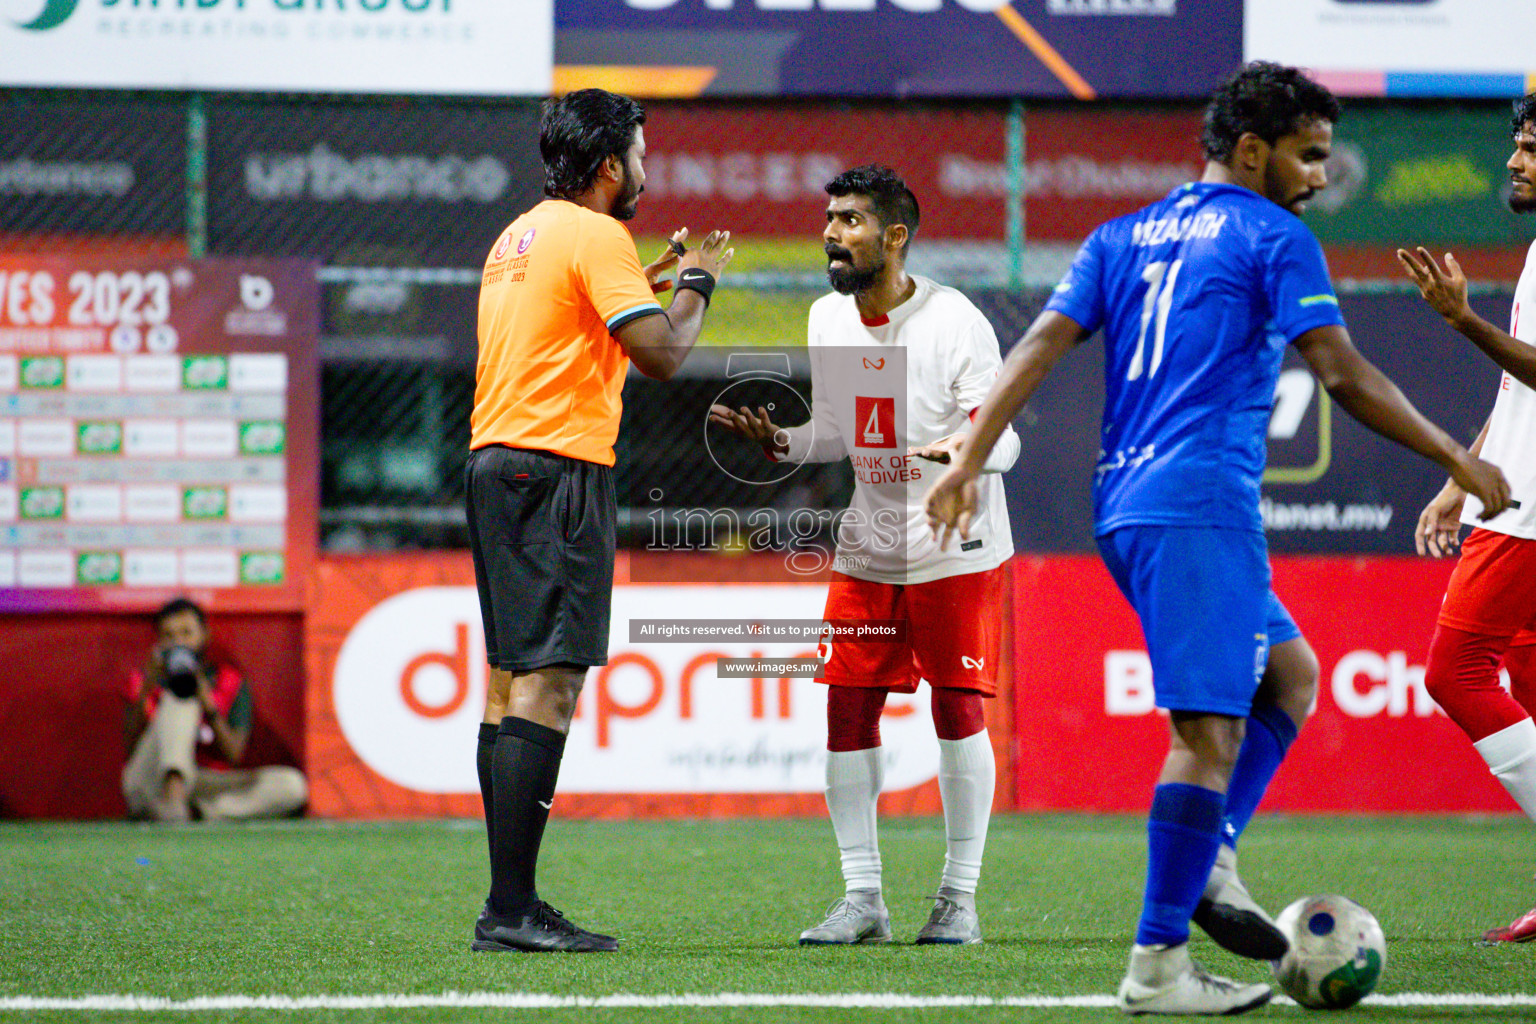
(317, 908)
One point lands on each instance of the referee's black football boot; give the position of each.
(1233, 919)
(540, 929)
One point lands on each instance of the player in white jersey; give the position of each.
(1489, 613)
(898, 363)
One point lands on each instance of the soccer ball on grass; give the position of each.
(1337, 952)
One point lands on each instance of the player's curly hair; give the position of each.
(1267, 99)
(1524, 114)
(578, 132)
(889, 198)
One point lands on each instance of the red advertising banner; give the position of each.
(760, 170)
(396, 672)
(158, 432)
(1089, 738)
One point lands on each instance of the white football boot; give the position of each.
(1164, 980)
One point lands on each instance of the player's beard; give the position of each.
(628, 201)
(850, 279)
(1526, 204)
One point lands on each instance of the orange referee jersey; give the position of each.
(558, 282)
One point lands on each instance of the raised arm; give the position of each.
(1369, 396)
(1446, 292)
(952, 501)
(658, 345)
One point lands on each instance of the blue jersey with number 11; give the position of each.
(1198, 295)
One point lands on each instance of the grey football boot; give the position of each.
(856, 918)
(1232, 918)
(953, 921)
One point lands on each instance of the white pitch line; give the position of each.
(549, 1001)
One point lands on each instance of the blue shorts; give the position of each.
(1206, 609)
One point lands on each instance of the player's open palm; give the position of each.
(1444, 290)
(1438, 532)
(754, 426)
(950, 505)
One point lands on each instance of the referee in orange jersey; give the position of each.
(565, 307)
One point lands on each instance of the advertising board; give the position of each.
(158, 432)
(369, 183)
(1457, 48)
(1376, 744)
(759, 169)
(73, 171)
(397, 676)
(454, 47)
(1036, 48)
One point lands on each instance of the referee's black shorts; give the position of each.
(542, 530)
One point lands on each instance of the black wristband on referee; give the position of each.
(698, 280)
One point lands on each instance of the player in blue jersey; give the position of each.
(1198, 295)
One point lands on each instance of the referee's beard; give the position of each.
(628, 201)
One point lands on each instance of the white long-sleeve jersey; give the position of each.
(877, 388)
(1511, 440)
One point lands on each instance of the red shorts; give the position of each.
(1493, 589)
(953, 640)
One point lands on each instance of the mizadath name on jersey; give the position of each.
(1198, 295)
(880, 387)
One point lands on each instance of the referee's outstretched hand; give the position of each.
(711, 256)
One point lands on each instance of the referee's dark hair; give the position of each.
(578, 132)
(1267, 99)
(889, 198)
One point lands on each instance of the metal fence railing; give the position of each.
(398, 200)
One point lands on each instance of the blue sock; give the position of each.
(1270, 734)
(1183, 834)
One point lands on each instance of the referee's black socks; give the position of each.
(524, 767)
(485, 755)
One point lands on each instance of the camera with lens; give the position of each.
(181, 668)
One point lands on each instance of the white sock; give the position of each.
(854, 778)
(967, 778)
(1511, 756)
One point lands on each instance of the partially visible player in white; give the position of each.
(898, 364)
(1489, 613)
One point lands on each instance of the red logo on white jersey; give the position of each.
(875, 422)
(874, 364)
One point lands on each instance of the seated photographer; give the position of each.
(188, 721)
